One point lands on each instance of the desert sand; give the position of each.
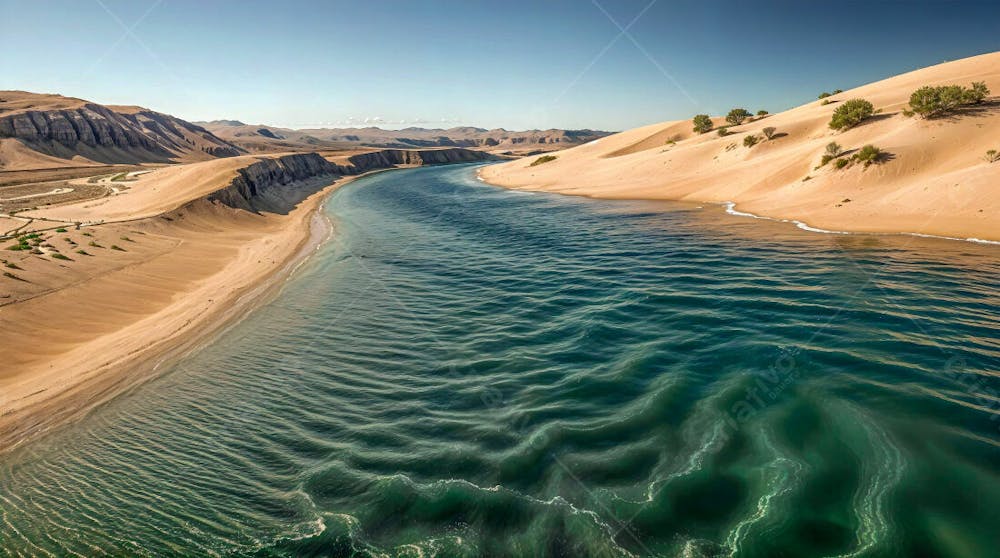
(935, 182)
(166, 267)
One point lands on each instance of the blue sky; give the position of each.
(512, 64)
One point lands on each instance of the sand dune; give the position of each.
(936, 181)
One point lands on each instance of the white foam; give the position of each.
(731, 209)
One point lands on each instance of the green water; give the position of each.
(468, 371)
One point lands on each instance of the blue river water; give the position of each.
(464, 370)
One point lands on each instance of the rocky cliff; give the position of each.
(273, 184)
(65, 128)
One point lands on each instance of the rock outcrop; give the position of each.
(66, 128)
(273, 184)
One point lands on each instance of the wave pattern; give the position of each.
(468, 371)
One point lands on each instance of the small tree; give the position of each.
(851, 113)
(762, 113)
(769, 132)
(737, 116)
(702, 123)
(750, 141)
(833, 149)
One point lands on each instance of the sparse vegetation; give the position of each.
(762, 113)
(119, 177)
(841, 163)
(127, 239)
(750, 140)
(82, 252)
(851, 113)
(934, 101)
(835, 91)
(543, 159)
(117, 247)
(59, 256)
(94, 244)
(60, 230)
(702, 123)
(992, 156)
(769, 132)
(833, 150)
(723, 131)
(12, 276)
(869, 155)
(824, 95)
(737, 116)
(87, 234)
(826, 102)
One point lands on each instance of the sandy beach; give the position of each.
(934, 180)
(181, 268)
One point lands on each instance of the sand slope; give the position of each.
(936, 181)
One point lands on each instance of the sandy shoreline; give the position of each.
(59, 384)
(932, 180)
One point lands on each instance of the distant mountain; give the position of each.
(43, 130)
(260, 138)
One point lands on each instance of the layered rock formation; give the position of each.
(275, 183)
(66, 128)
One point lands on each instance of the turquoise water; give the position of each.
(469, 371)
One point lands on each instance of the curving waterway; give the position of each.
(469, 371)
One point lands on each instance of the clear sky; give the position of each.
(503, 63)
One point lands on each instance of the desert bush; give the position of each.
(851, 113)
(762, 113)
(835, 91)
(737, 116)
(834, 150)
(869, 155)
(60, 229)
(750, 141)
(992, 156)
(823, 95)
(932, 101)
(841, 163)
(11, 265)
(769, 132)
(82, 252)
(94, 244)
(542, 160)
(117, 247)
(11, 275)
(723, 131)
(702, 123)
(59, 256)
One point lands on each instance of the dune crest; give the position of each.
(933, 178)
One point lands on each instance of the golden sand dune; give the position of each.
(934, 179)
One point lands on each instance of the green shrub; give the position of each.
(12, 276)
(823, 95)
(94, 244)
(116, 247)
(737, 116)
(17, 247)
(762, 113)
(835, 91)
(932, 101)
(834, 150)
(992, 156)
(127, 239)
(59, 256)
(87, 234)
(60, 229)
(851, 113)
(723, 131)
(702, 123)
(543, 159)
(826, 102)
(82, 252)
(841, 163)
(769, 132)
(869, 155)
(750, 141)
